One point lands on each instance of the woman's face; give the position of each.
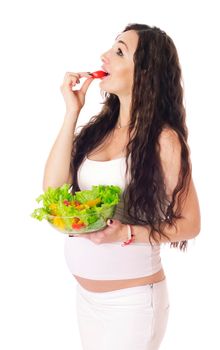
(118, 62)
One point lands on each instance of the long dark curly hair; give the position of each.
(157, 102)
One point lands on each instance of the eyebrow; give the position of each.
(122, 42)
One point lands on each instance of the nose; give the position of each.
(104, 58)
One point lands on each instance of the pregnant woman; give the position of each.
(138, 141)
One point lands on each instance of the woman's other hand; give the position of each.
(75, 99)
(114, 232)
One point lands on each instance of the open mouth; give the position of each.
(106, 76)
(107, 73)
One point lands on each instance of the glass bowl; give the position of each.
(83, 223)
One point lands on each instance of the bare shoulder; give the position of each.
(170, 157)
(168, 135)
(169, 144)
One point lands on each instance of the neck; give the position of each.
(124, 114)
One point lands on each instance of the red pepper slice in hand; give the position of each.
(99, 74)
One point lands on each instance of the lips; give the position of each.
(106, 77)
(105, 70)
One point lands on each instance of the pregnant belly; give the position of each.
(110, 285)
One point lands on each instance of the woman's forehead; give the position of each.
(130, 38)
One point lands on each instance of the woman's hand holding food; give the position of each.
(75, 99)
(114, 232)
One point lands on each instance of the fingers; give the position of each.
(94, 237)
(85, 85)
(87, 82)
(85, 75)
(76, 76)
(73, 78)
(84, 235)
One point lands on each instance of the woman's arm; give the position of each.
(187, 227)
(57, 168)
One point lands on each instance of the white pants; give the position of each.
(126, 319)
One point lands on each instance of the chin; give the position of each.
(108, 90)
(118, 90)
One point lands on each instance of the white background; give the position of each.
(40, 41)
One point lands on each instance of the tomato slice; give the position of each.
(99, 74)
(77, 225)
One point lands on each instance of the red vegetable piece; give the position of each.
(77, 225)
(66, 202)
(99, 74)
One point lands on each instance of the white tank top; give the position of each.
(108, 261)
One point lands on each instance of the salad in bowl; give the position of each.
(82, 212)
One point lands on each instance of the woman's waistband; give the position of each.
(122, 291)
